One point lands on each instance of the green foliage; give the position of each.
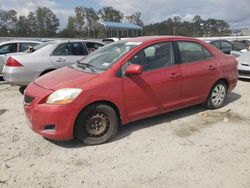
(41, 23)
(44, 23)
(135, 19)
(110, 14)
(197, 28)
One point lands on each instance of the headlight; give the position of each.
(63, 96)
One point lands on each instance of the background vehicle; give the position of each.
(235, 48)
(21, 69)
(13, 47)
(110, 40)
(127, 81)
(244, 65)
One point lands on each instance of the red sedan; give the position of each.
(127, 81)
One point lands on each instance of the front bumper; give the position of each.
(55, 122)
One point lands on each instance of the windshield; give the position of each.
(37, 47)
(106, 56)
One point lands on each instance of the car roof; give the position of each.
(74, 40)
(157, 38)
(18, 41)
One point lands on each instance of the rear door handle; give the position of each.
(174, 75)
(211, 67)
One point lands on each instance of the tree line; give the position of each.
(44, 23)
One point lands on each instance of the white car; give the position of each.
(244, 65)
(13, 47)
(21, 69)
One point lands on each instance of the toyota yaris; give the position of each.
(127, 81)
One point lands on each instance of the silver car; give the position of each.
(13, 47)
(21, 69)
(244, 65)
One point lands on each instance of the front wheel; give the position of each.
(97, 124)
(217, 95)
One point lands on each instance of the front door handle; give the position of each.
(174, 75)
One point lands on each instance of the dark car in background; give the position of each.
(228, 47)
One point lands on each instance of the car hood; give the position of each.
(64, 78)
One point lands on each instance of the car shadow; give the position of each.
(126, 130)
(244, 79)
(167, 118)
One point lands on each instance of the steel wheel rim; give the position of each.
(96, 125)
(218, 95)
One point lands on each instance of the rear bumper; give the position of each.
(18, 75)
(55, 122)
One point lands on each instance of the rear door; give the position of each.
(68, 53)
(199, 71)
(157, 89)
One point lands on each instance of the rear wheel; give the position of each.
(97, 124)
(217, 96)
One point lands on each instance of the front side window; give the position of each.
(26, 46)
(92, 46)
(73, 48)
(8, 48)
(154, 57)
(192, 52)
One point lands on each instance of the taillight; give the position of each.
(11, 62)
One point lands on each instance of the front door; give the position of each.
(157, 89)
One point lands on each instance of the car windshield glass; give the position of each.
(105, 57)
(35, 48)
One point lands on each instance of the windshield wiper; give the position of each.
(84, 65)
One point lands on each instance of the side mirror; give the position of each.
(133, 69)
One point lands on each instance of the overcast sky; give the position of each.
(237, 13)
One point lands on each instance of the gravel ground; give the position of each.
(192, 148)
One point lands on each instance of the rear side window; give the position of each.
(8, 48)
(192, 52)
(25, 46)
(155, 56)
(73, 48)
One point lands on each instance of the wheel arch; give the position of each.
(106, 102)
(222, 80)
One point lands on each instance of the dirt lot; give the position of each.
(188, 148)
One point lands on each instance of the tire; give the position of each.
(217, 95)
(96, 124)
